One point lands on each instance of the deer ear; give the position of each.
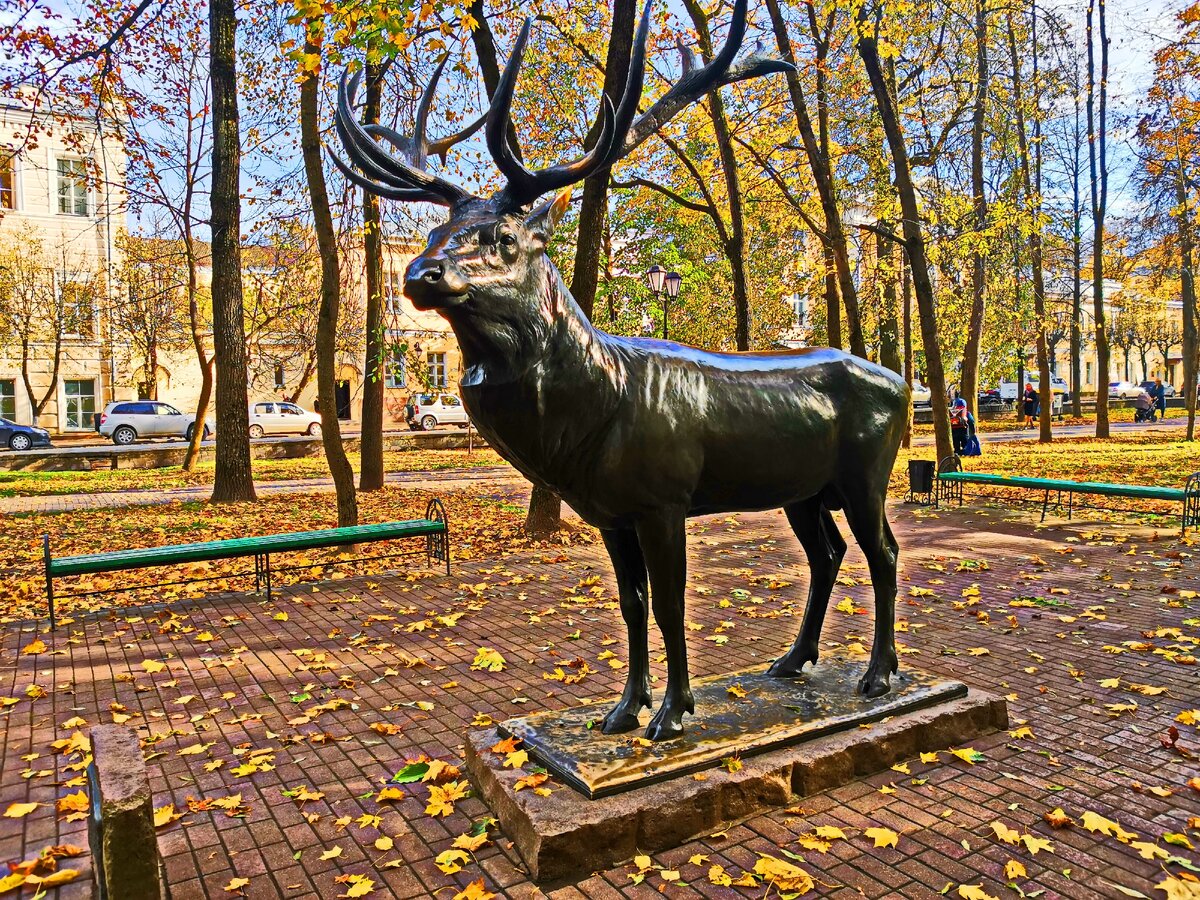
(543, 220)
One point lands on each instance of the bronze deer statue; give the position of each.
(638, 434)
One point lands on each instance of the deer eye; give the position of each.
(508, 239)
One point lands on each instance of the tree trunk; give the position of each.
(545, 506)
(906, 295)
(371, 475)
(192, 456)
(326, 340)
(735, 244)
(914, 238)
(233, 479)
(1187, 278)
(970, 360)
(1031, 182)
(1098, 166)
(889, 323)
(818, 160)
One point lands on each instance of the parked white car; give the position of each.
(127, 421)
(921, 395)
(1010, 390)
(1123, 390)
(282, 418)
(427, 411)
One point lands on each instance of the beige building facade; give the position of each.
(62, 202)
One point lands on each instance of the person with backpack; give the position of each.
(960, 424)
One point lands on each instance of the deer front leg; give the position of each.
(630, 569)
(824, 547)
(664, 547)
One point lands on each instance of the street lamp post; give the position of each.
(660, 281)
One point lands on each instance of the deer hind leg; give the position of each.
(663, 543)
(824, 547)
(868, 521)
(630, 568)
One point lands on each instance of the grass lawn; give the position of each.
(38, 484)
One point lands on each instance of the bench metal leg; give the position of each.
(437, 546)
(1070, 504)
(49, 581)
(267, 567)
(1045, 503)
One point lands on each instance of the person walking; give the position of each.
(959, 425)
(1160, 397)
(1031, 405)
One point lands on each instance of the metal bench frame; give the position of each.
(952, 489)
(437, 547)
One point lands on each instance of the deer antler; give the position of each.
(400, 178)
(525, 186)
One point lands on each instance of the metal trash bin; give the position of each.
(920, 481)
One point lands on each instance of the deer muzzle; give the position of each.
(434, 281)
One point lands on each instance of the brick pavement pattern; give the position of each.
(290, 690)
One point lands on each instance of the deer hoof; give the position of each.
(791, 665)
(666, 724)
(874, 684)
(619, 721)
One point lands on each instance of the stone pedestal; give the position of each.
(796, 737)
(121, 819)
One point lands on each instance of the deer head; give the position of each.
(489, 259)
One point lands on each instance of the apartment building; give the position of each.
(62, 202)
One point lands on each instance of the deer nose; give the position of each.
(432, 277)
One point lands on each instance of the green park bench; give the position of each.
(951, 478)
(434, 527)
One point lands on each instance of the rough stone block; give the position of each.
(124, 845)
(566, 836)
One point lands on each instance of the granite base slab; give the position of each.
(565, 835)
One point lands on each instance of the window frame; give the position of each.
(433, 366)
(84, 423)
(61, 281)
(5, 396)
(79, 182)
(9, 165)
(394, 361)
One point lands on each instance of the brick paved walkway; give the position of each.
(1049, 621)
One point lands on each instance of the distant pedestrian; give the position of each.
(1031, 405)
(1160, 397)
(960, 425)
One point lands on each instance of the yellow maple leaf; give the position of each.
(165, 815)
(470, 842)
(20, 810)
(488, 660)
(974, 892)
(332, 853)
(77, 802)
(1013, 869)
(474, 891)
(1176, 888)
(236, 884)
(783, 875)
(718, 876)
(194, 749)
(450, 861)
(883, 837)
(384, 843)
(389, 793)
(1006, 834)
(1097, 823)
(1149, 851)
(929, 757)
(54, 879)
(34, 646)
(11, 881)
(968, 754)
(829, 833)
(1033, 844)
(360, 887)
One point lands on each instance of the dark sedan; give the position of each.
(22, 437)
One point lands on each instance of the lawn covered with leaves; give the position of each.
(483, 524)
(40, 484)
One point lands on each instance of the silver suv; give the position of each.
(130, 420)
(428, 411)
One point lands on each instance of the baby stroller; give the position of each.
(1143, 408)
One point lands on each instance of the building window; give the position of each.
(799, 307)
(79, 309)
(81, 402)
(8, 399)
(1087, 378)
(437, 369)
(397, 373)
(72, 188)
(393, 291)
(279, 377)
(8, 179)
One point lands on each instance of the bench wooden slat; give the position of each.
(1141, 492)
(236, 547)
